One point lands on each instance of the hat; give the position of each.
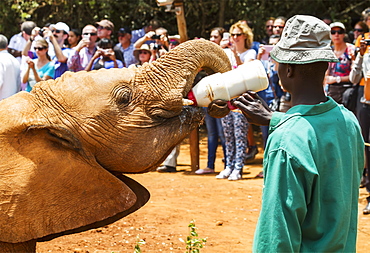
(106, 24)
(27, 27)
(60, 26)
(143, 47)
(305, 39)
(124, 30)
(337, 24)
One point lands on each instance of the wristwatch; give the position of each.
(338, 79)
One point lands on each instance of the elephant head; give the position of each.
(65, 145)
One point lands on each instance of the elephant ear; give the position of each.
(49, 186)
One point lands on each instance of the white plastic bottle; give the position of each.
(248, 76)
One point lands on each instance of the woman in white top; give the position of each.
(241, 39)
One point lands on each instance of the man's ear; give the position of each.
(290, 70)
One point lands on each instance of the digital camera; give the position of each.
(156, 37)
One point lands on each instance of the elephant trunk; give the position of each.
(177, 69)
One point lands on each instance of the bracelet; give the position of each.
(338, 79)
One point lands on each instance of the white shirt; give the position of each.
(10, 75)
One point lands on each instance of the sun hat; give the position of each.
(144, 47)
(106, 24)
(305, 39)
(60, 26)
(338, 24)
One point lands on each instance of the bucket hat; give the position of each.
(305, 39)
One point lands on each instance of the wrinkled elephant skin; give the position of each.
(65, 145)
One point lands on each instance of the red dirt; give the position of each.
(224, 212)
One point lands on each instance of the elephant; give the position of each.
(68, 145)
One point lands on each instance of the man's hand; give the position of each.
(254, 108)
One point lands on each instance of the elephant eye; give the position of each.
(122, 95)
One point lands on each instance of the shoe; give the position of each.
(166, 168)
(252, 152)
(366, 209)
(224, 174)
(260, 175)
(235, 175)
(204, 171)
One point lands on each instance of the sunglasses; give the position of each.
(56, 31)
(39, 48)
(278, 26)
(269, 26)
(358, 30)
(91, 34)
(236, 34)
(143, 52)
(336, 31)
(102, 27)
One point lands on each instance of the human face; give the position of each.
(269, 27)
(337, 35)
(357, 31)
(73, 39)
(40, 49)
(59, 35)
(90, 32)
(144, 56)
(367, 22)
(103, 32)
(238, 37)
(124, 38)
(278, 26)
(215, 37)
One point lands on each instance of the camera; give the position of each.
(367, 42)
(41, 32)
(156, 37)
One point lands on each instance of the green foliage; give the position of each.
(193, 242)
(139, 242)
(201, 15)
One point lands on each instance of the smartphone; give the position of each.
(266, 54)
(226, 36)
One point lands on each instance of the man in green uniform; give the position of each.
(314, 155)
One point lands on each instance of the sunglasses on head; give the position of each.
(358, 30)
(236, 34)
(39, 48)
(56, 31)
(91, 34)
(336, 31)
(278, 26)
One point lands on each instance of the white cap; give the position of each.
(60, 26)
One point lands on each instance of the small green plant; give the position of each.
(138, 243)
(193, 242)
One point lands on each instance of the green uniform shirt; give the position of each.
(313, 162)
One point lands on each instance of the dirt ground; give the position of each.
(224, 212)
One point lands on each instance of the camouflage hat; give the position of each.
(305, 39)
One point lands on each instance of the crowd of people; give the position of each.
(42, 53)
